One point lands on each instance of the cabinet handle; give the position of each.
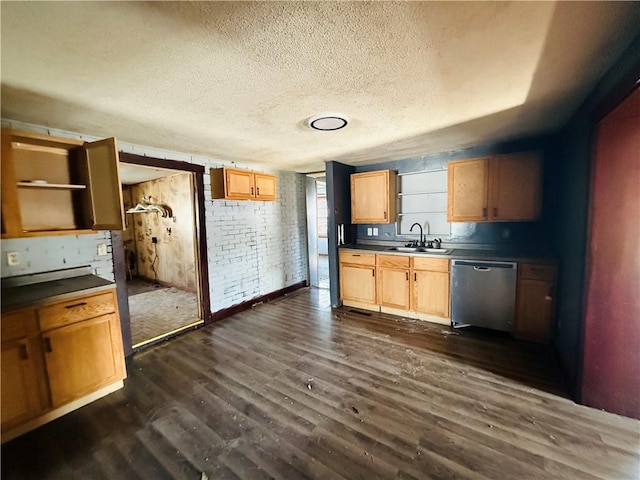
(495, 211)
(76, 305)
(251, 190)
(23, 352)
(373, 272)
(355, 255)
(257, 190)
(385, 215)
(484, 212)
(47, 345)
(415, 277)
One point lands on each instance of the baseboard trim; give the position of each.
(241, 307)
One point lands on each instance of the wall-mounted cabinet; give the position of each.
(58, 186)
(374, 197)
(235, 184)
(503, 188)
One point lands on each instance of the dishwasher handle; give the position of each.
(481, 269)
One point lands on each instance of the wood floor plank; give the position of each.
(292, 389)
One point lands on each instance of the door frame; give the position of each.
(119, 261)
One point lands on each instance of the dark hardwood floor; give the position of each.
(292, 389)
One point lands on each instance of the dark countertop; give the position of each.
(59, 289)
(507, 254)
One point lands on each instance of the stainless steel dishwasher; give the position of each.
(483, 294)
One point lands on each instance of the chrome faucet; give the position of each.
(422, 242)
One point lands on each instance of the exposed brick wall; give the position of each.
(254, 248)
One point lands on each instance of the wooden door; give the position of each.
(370, 198)
(467, 190)
(265, 186)
(393, 287)
(20, 397)
(515, 187)
(358, 283)
(239, 184)
(534, 310)
(103, 186)
(611, 354)
(83, 358)
(431, 293)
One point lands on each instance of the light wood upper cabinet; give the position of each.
(235, 184)
(58, 186)
(495, 189)
(515, 187)
(374, 197)
(534, 304)
(467, 190)
(265, 186)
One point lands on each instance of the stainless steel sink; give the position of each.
(441, 251)
(404, 249)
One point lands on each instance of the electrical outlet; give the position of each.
(102, 250)
(375, 231)
(13, 258)
(369, 231)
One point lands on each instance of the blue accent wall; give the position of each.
(519, 233)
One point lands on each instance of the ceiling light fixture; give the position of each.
(328, 122)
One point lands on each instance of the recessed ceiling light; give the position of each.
(328, 122)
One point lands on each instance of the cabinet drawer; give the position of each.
(393, 261)
(75, 310)
(17, 324)
(358, 258)
(431, 264)
(536, 271)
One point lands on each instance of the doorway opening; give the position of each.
(317, 230)
(162, 267)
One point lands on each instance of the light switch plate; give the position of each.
(102, 249)
(369, 231)
(375, 231)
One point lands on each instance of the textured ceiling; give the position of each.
(238, 80)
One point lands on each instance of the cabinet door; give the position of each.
(265, 186)
(515, 187)
(393, 287)
(467, 190)
(83, 358)
(103, 186)
(239, 184)
(431, 293)
(373, 197)
(358, 283)
(534, 312)
(20, 397)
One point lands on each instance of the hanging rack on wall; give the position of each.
(146, 206)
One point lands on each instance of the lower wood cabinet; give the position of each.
(358, 278)
(394, 281)
(53, 363)
(400, 284)
(534, 303)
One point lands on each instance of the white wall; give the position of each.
(254, 248)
